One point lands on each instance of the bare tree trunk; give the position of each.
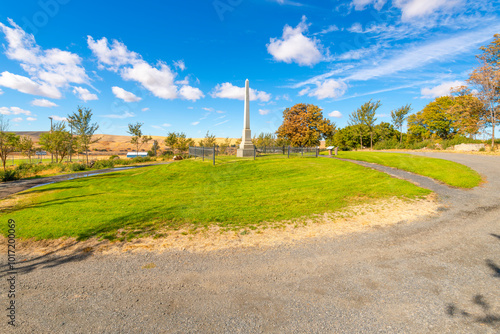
(493, 119)
(360, 141)
(401, 133)
(371, 141)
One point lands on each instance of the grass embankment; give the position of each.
(194, 194)
(449, 172)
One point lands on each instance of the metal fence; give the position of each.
(286, 150)
(211, 152)
(202, 152)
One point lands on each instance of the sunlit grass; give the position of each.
(235, 193)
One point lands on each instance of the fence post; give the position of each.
(289, 151)
(214, 154)
(302, 151)
(317, 149)
(254, 152)
(203, 153)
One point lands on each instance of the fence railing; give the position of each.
(202, 151)
(286, 150)
(211, 152)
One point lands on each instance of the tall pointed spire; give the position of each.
(246, 147)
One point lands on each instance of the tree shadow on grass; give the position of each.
(139, 222)
(487, 317)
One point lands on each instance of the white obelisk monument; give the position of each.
(246, 147)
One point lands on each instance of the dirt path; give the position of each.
(438, 275)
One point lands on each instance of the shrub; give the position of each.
(113, 157)
(9, 175)
(104, 164)
(76, 167)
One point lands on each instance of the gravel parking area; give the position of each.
(437, 275)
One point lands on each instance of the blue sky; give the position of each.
(181, 65)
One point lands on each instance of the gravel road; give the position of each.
(438, 275)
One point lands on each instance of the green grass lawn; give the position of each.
(449, 172)
(234, 194)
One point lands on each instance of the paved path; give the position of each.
(440, 275)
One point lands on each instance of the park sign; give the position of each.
(41, 153)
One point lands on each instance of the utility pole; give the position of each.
(51, 154)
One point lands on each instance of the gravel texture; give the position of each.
(438, 275)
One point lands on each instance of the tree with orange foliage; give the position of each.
(304, 125)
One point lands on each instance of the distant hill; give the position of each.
(122, 143)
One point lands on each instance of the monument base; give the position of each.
(245, 152)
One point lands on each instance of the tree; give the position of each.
(398, 118)
(224, 146)
(208, 141)
(486, 81)
(171, 140)
(58, 141)
(182, 144)
(80, 123)
(304, 125)
(138, 138)
(356, 123)
(368, 117)
(434, 120)
(9, 141)
(264, 139)
(468, 113)
(155, 148)
(27, 146)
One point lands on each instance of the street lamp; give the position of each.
(51, 154)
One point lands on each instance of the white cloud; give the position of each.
(417, 8)
(195, 123)
(125, 95)
(191, 93)
(59, 118)
(418, 56)
(335, 113)
(304, 91)
(1, 92)
(84, 94)
(157, 127)
(356, 27)
(144, 109)
(180, 65)
(327, 30)
(17, 119)
(184, 81)
(295, 47)
(220, 123)
(329, 88)
(264, 111)
(43, 103)
(208, 109)
(28, 86)
(226, 90)
(52, 67)
(440, 90)
(30, 119)
(159, 79)
(166, 125)
(14, 111)
(126, 114)
(362, 4)
(114, 56)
